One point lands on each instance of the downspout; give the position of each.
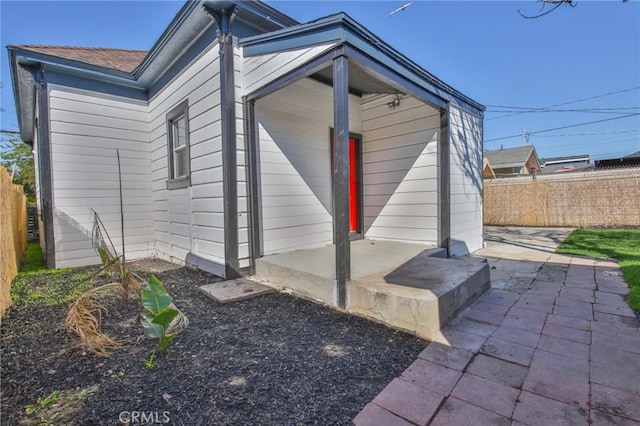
(224, 18)
(44, 162)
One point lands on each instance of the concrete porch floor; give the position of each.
(367, 257)
(407, 286)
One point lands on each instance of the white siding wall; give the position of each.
(400, 170)
(295, 164)
(190, 219)
(466, 182)
(86, 129)
(261, 70)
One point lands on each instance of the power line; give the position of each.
(564, 127)
(589, 134)
(621, 110)
(563, 103)
(560, 110)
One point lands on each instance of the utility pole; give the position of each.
(525, 137)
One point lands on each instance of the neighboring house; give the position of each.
(506, 162)
(573, 163)
(244, 133)
(631, 160)
(487, 170)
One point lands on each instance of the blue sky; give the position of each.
(484, 49)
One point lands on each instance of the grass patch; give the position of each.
(620, 244)
(50, 287)
(33, 259)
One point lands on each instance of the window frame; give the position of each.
(179, 111)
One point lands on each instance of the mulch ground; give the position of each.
(275, 359)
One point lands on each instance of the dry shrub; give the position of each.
(130, 285)
(84, 319)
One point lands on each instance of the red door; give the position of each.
(354, 184)
(354, 214)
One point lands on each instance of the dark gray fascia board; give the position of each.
(23, 84)
(188, 25)
(267, 14)
(65, 66)
(267, 43)
(54, 76)
(342, 28)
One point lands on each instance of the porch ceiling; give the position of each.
(360, 82)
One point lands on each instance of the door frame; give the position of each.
(359, 233)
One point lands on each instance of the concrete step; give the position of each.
(422, 295)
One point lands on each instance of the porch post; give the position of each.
(444, 179)
(341, 176)
(251, 148)
(224, 18)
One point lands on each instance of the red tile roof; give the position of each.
(116, 59)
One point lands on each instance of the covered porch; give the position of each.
(349, 164)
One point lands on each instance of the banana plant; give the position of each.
(159, 313)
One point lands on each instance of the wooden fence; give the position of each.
(13, 234)
(608, 198)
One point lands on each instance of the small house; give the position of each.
(517, 161)
(244, 133)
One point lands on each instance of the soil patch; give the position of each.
(274, 359)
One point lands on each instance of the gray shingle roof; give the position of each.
(509, 157)
(117, 59)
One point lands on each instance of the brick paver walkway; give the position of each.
(563, 350)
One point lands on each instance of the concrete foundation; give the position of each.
(411, 287)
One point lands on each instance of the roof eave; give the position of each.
(258, 8)
(342, 28)
(191, 22)
(23, 94)
(28, 57)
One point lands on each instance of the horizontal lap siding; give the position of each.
(190, 219)
(295, 164)
(258, 71)
(86, 129)
(466, 182)
(400, 170)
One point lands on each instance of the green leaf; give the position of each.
(155, 298)
(164, 318)
(151, 329)
(104, 257)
